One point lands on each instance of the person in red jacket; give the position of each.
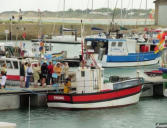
(49, 75)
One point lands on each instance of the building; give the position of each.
(160, 12)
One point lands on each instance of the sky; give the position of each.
(57, 5)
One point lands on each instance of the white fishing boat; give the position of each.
(121, 52)
(7, 125)
(154, 76)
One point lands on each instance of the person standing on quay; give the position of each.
(57, 69)
(22, 75)
(36, 76)
(44, 71)
(29, 73)
(49, 76)
(3, 73)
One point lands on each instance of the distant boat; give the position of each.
(121, 52)
(62, 39)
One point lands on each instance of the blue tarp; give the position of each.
(96, 29)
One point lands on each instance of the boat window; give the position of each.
(89, 43)
(15, 64)
(82, 73)
(9, 64)
(119, 44)
(113, 44)
(1, 62)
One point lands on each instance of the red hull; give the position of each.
(94, 97)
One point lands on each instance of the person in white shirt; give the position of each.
(29, 73)
(3, 81)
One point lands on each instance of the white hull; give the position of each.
(151, 79)
(104, 104)
(129, 64)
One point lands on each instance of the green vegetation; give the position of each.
(87, 13)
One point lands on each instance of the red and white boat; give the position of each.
(91, 92)
(13, 67)
(153, 76)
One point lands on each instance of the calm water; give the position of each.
(142, 115)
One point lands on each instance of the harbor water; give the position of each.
(144, 114)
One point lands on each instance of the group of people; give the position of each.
(46, 74)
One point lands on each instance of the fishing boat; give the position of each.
(121, 52)
(13, 67)
(92, 92)
(153, 76)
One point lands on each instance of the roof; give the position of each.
(96, 39)
(104, 39)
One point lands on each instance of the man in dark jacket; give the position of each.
(22, 75)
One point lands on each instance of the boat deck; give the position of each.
(31, 90)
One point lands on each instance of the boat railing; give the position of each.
(128, 83)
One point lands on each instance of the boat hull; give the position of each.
(116, 98)
(130, 64)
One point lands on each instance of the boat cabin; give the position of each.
(116, 46)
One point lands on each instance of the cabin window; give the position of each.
(1, 63)
(113, 44)
(119, 44)
(15, 64)
(82, 73)
(9, 64)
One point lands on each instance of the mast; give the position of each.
(113, 16)
(108, 4)
(82, 45)
(146, 14)
(63, 16)
(121, 13)
(92, 5)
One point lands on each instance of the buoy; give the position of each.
(7, 125)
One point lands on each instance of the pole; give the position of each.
(29, 112)
(6, 37)
(11, 29)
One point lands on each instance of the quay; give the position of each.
(16, 97)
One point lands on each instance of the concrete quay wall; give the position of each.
(9, 102)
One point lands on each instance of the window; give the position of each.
(119, 44)
(82, 73)
(113, 44)
(15, 64)
(9, 64)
